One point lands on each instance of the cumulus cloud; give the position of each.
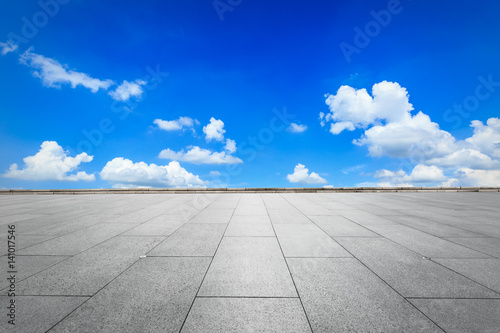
(474, 177)
(124, 172)
(197, 155)
(357, 109)
(7, 47)
(126, 90)
(230, 146)
(301, 175)
(465, 157)
(53, 74)
(392, 130)
(486, 138)
(176, 125)
(51, 163)
(296, 128)
(420, 174)
(214, 130)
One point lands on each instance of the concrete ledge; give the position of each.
(252, 190)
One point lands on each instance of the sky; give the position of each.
(239, 93)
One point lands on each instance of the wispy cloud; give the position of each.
(197, 155)
(7, 47)
(53, 74)
(177, 124)
(355, 168)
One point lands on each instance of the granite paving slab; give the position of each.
(342, 295)
(248, 267)
(235, 315)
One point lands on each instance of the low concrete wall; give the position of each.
(254, 190)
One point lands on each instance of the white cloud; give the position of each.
(53, 74)
(197, 155)
(465, 158)
(214, 173)
(414, 137)
(356, 108)
(214, 130)
(7, 47)
(339, 126)
(301, 175)
(472, 177)
(395, 132)
(51, 163)
(296, 128)
(230, 146)
(125, 173)
(175, 125)
(128, 89)
(390, 129)
(486, 138)
(420, 174)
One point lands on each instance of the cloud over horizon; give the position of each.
(51, 163)
(125, 172)
(301, 175)
(391, 130)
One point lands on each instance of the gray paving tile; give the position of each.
(225, 205)
(333, 205)
(213, 216)
(484, 271)
(36, 314)
(154, 295)
(425, 244)
(250, 219)
(249, 229)
(251, 210)
(484, 229)
(379, 211)
(341, 295)
(489, 246)
(246, 315)
(341, 226)
(307, 240)
(77, 241)
(12, 219)
(288, 216)
(163, 225)
(22, 227)
(26, 266)
(427, 213)
(364, 218)
(409, 273)
(432, 227)
(248, 266)
(310, 208)
(60, 229)
(197, 239)
(462, 315)
(22, 242)
(86, 273)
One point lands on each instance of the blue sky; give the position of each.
(249, 93)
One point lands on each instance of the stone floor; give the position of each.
(339, 262)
